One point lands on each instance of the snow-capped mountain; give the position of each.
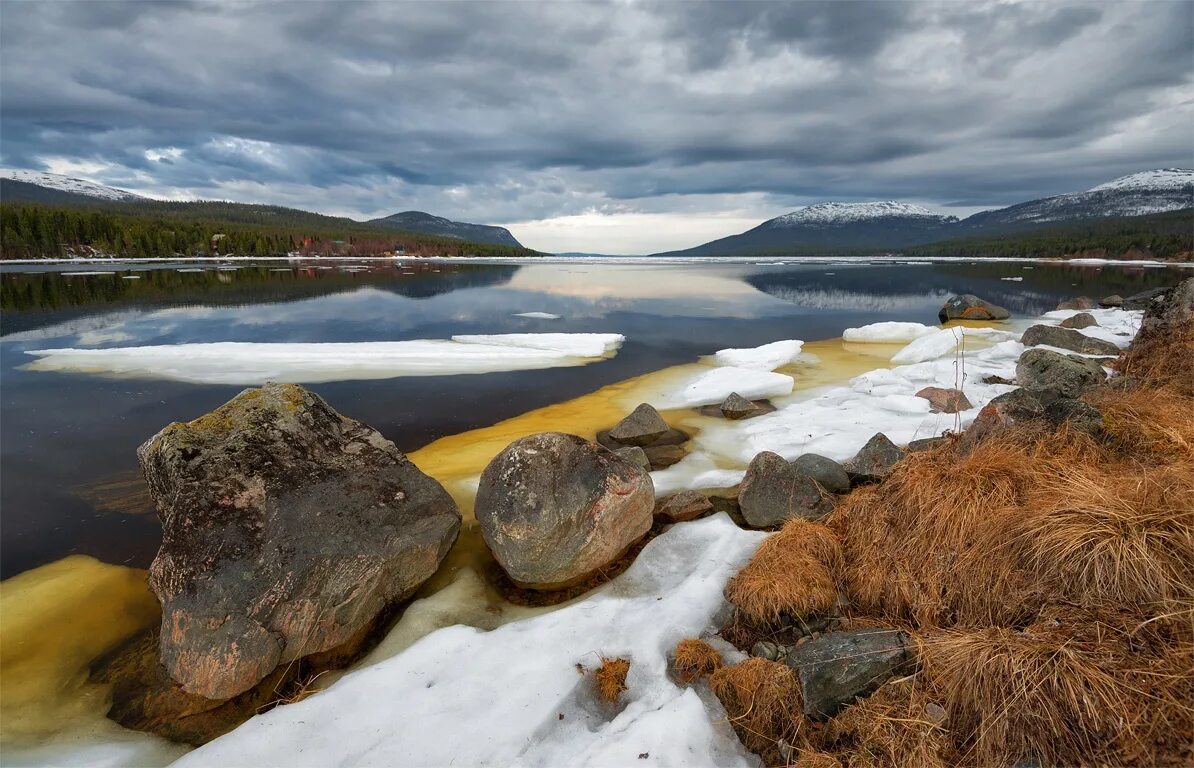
(417, 221)
(843, 213)
(1138, 194)
(57, 183)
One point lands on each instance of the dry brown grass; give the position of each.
(762, 700)
(610, 678)
(894, 727)
(791, 573)
(1147, 423)
(694, 659)
(1162, 357)
(811, 758)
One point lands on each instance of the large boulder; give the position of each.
(970, 307)
(286, 529)
(1170, 307)
(1080, 320)
(643, 426)
(1145, 298)
(774, 491)
(943, 400)
(1015, 407)
(555, 508)
(1067, 375)
(838, 667)
(875, 461)
(1081, 302)
(1114, 300)
(1067, 338)
(828, 473)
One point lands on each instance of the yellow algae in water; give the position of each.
(54, 621)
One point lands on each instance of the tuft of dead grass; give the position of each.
(610, 678)
(695, 659)
(762, 700)
(893, 727)
(1147, 423)
(811, 758)
(1162, 356)
(791, 573)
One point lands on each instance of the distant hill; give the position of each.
(418, 221)
(893, 225)
(53, 188)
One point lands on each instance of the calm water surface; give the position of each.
(61, 432)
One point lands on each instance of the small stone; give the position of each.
(993, 379)
(765, 649)
(786, 751)
(737, 407)
(828, 473)
(635, 455)
(643, 426)
(942, 400)
(935, 713)
(838, 667)
(1114, 300)
(1082, 302)
(1080, 320)
(662, 456)
(683, 506)
(875, 460)
(926, 444)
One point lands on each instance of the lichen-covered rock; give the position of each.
(643, 426)
(1081, 302)
(1080, 320)
(875, 460)
(1067, 375)
(828, 473)
(683, 506)
(970, 307)
(1067, 338)
(838, 667)
(1077, 414)
(942, 400)
(773, 491)
(286, 528)
(555, 508)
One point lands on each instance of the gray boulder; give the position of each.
(875, 461)
(1114, 300)
(286, 529)
(1080, 320)
(828, 473)
(1170, 308)
(555, 508)
(942, 400)
(926, 444)
(1082, 302)
(683, 506)
(1067, 375)
(774, 491)
(635, 455)
(737, 407)
(838, 667)
(1067, 338)
(1077, 414)
(1143, 299)
(643, 426)
(970, 307)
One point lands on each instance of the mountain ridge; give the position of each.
(430, 224)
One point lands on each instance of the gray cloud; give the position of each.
(502, 112)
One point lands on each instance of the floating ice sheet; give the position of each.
(765, 358)
(255, 363)
(512, 696)
(537, 315)
(942, 342)
(707, 386)
(888, 333)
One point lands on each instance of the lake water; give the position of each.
(61, 434)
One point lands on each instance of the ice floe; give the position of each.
(255, 363)
(706, 386)
(437, 703)
(766, 358)
(888, 332)
(943, 341)
(537, 315)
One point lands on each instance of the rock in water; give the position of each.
(970, 307)
(875, 460)
(943, 400)
(1067, 338)
(643, 426)
(774, 491)
(555, 508)
(1067, 375)
(1081, 302)
(737, 407)
(286, 528)
(1080, 320)
(838, 667)
(828, 473)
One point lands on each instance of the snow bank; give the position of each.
(256, 363)
(512, 696)
(766, 358)
(888, 333)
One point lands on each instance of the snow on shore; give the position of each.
(512, 696)
(256, 363)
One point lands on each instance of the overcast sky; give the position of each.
(607, 127)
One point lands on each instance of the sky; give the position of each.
(621, 127)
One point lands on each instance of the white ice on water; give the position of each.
(708, 386)
(256, 363)
(765, 358)
(512, 696)
(888, 332)
(943, 341)
(537, 315)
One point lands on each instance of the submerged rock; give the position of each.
(828, 473)
(683, 506)
(774, 491)
(970, 307)
(555, 508)
(643, 426)
(1067, 338)
(1080, 320)
(838, 667)
(1067, 375)
(942, 400)
(1081, 302)
(286, 528)
(875, 460)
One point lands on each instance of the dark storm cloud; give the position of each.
(513, 111)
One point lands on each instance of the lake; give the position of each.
(66, 436)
